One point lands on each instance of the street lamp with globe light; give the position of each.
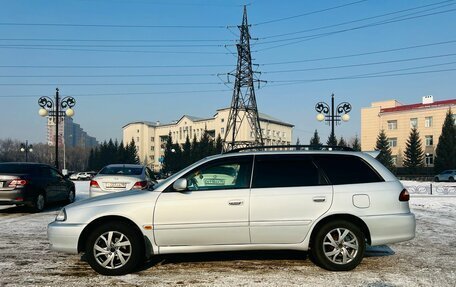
(332, 115)
(57, 108)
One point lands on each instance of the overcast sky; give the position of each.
(362, 51)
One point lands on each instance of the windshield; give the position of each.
(15, 168)
(121, 170)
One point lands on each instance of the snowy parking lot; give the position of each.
(427, 260)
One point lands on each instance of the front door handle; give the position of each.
(235, 202)
(319, 198)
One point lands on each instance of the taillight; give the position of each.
(15, 183)
(404, 196)
(94, 184)
(140, 185)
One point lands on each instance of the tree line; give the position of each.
(110, 152)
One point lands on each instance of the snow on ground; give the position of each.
(427, 260)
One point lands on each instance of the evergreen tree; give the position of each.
(298, 142)
(413, 154)
(385, 156)
(356, 145)
(131, 153)
(218, 145)
(186, 152)
(121, 153)
(169, 159)
(205, 145)
(195, 152)
(332, 140)
(342, 142)
(445, 153)
(315, 139)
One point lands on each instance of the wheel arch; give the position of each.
(117, 219)
(341, 216)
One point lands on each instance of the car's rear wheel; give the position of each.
(39, 203)
(338, 246)
(451, 179)
(114, 249)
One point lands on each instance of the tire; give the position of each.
(39, 203)
(436, 179)
(451, 179)
(71, 196)
(118, 259)
(328, 248)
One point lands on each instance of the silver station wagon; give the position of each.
(329, 203)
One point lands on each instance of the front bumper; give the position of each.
(391, 228)
(64, 236)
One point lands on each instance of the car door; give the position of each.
(288, 193)
(214, 208)
(59, 185)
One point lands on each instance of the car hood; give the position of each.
(123, 197)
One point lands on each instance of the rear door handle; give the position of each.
(235, 202)
(319, 198)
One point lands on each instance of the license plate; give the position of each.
(116, 185)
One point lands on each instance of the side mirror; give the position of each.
(180, 184)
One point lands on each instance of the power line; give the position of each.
(359, 65)
(361, 54)
(113, 25)
(360, 20)
(114, 40)
(110, 84)
(114, 46)
(110, 76)
(115, 51)
(112, 66)
(119, 94)
(309, 13)
(315, 36)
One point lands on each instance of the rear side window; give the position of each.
(346, 169)
(285, 171)
(121, 170)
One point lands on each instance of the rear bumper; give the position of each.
(14, 196)
(64, 237)
(391, 228)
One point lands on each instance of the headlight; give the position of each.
(61, 216)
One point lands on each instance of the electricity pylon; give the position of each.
(243, 103)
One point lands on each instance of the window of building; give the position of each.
(285, 171)
(392, 125)
(429, 140)
(152, 139)
(283, 134)
(152, 148)
(223, 120)
(137, 139)
(413, 123)
(222, 130)
(454, 119)
(392, 142)
(429, 159)
(346, 169)
(137, 131)
(428, 122)
(394, 159)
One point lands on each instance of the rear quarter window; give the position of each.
(346, 169)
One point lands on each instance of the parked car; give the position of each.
(120, 177)
(81, 176)
(447, 175)
(330, 203)
(33, 185)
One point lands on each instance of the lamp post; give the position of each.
(331, 115)
(427, 159)
(26, 148)
(56, 108)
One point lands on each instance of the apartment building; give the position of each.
(398, 119)
(150, 137)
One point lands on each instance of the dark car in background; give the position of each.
(33, 185)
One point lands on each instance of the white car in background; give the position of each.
(330, 203)
(120, 177)
(81, 176)
(446, 175)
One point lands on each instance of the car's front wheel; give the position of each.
(338, 246)
(114, 249)
(451, 179)
(436, 179)
(39, 202)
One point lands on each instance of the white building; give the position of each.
(150, 137)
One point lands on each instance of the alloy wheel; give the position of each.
(340, 246)
(112, 250)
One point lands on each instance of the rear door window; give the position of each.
(346, 169)
(285, 171)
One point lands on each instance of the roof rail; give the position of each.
(291, 147)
